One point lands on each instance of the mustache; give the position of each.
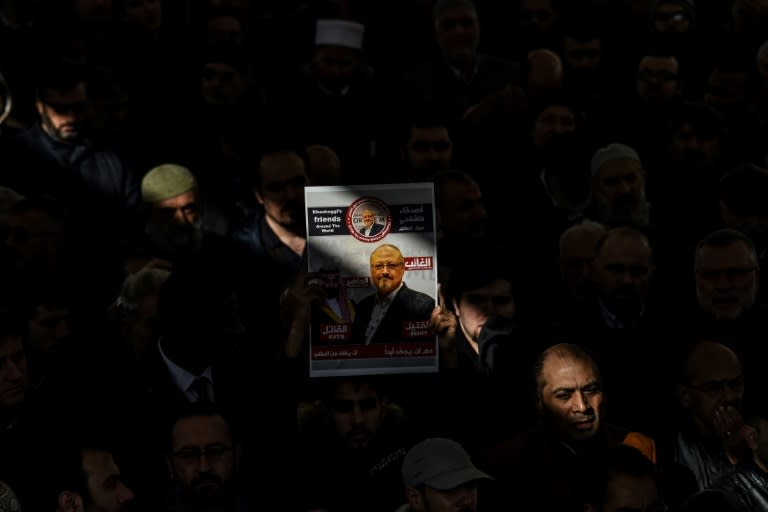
(207, 479)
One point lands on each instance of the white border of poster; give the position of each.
(406, 217)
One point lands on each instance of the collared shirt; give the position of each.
(614, 322)
(380, 308)
(184, 379)
(460, 75)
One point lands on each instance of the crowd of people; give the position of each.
(601, 207)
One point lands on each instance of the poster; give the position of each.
(364, 242)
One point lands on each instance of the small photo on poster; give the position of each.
(372, 249)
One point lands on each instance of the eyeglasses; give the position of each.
(212, 453)
(731, 273)
(451, 23)
(479, 299)
(719, 386)
(347, 406)
(390, 266)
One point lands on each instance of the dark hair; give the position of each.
(725, 237)
(276, 146)
(200, 409)
(481, 266)
(703, 118)
(64, 471)
(607, 464)
(58, 76)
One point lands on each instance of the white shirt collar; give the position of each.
(181, 377)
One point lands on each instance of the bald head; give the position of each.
(545, 70)
(707, 358)
(559, 353)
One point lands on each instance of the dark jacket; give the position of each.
(409, 308)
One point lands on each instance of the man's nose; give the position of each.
(124, 493)
(580, 402)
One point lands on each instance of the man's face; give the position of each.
(222, 84)
(62, 113)
(695, 149)
(571, 396)
(475, 306)
(671, 17)
(622, 272)
(356, 413)
(203, 460)
(715, 385)
(458, 34)
(224, 31)
(176, 222)
(13, 372)
(107, 491)
(463, 215)
(145, 13)
(619, 187)
(335, 66)
(727, 90)
(49, 328)
(368, 218)
(537, 17)
(429, 150)
(657, 79)
(576, 256)
(726, 280)
(283, 178)
(553, 120)
(387, 270)
(459, 499)
(629, 492)
(35, 241)
(582, 56)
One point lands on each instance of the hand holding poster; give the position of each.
(372, 250)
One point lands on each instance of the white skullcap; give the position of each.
(615, 151)
(339, 33)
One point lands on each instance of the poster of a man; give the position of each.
(370, 226)
(394, 312)
(389, 274)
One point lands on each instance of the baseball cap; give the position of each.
(440, 463)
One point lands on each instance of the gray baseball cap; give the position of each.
(439, 463)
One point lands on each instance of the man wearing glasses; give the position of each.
(710, 392)
(203, 462)
(395, 313)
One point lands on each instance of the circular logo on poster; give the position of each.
(368, 219)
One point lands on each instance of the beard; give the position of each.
(626, 210)
(177, 240)
(73, 134)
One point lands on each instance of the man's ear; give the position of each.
(70, 501)
(414, 498)
(39, 107)
(750, 435)
(684, 396)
